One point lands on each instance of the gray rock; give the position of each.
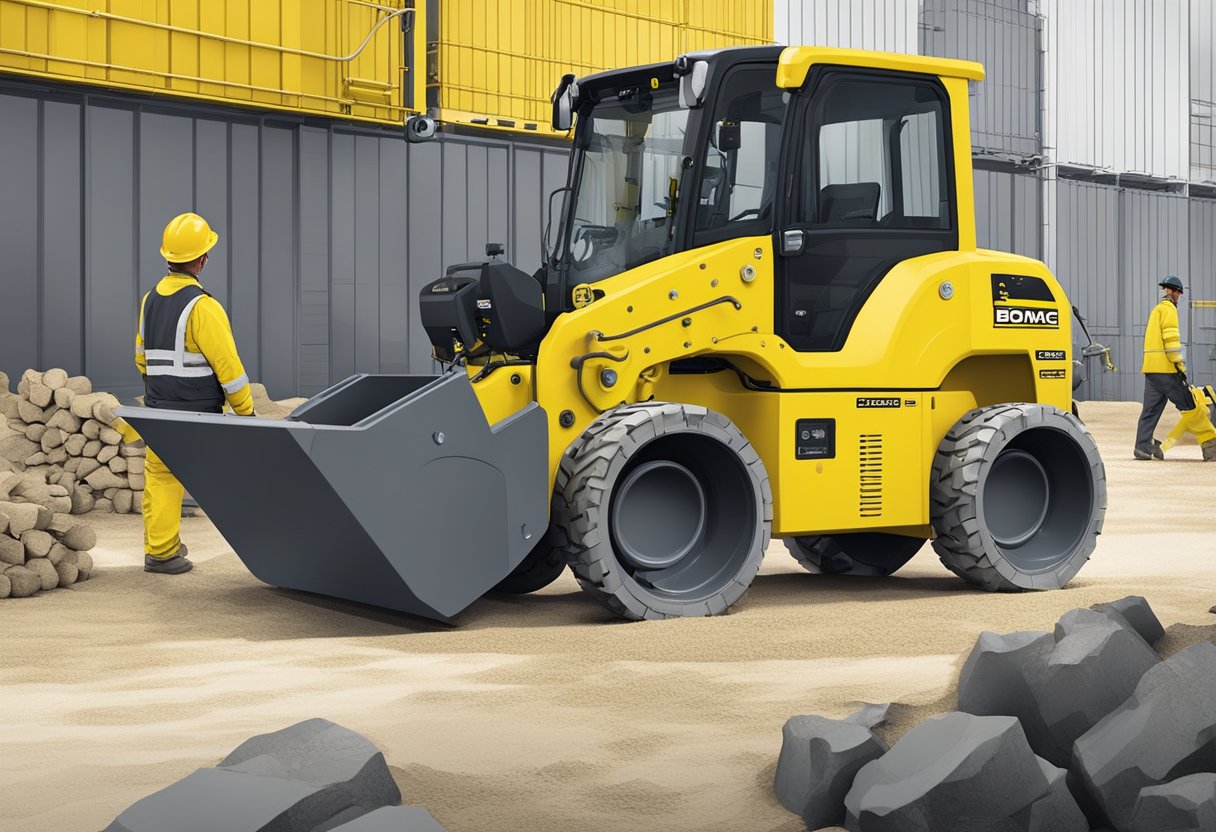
(1134, 609)
(1187, 804)
(393, 819)
(819, 758)
(961, 772)
(299, 779)
(1166, 730)
(1058, 688)
(870, 716)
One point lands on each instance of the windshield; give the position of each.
(628, 172)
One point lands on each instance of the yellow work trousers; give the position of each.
(162, 509)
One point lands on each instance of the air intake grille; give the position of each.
(869, 474)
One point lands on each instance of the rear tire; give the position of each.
(667, 511)
(1017, 497)
(541, 567)
(872, 554)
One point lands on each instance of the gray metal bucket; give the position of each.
(385, 490)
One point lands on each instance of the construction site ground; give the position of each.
(540, 712)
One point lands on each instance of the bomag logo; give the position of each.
(1025, 317)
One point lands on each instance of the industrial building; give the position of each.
(1094, 141)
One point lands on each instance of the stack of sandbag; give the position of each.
(57, 426)
(41, 545)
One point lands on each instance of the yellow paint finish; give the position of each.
(341, 58)
(499, 396)
(796, 61)
(497, 64)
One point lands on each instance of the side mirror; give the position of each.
(564, 99)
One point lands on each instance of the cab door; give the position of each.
(866, 168)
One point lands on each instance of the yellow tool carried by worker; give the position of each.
(1197, 421)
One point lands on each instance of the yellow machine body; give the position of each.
(924, 341)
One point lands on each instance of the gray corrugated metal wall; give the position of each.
(1008, 208)
(327, 232)
(1114, 245)
(1004, 36)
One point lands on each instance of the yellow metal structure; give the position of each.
(494, 64)
(341, 58)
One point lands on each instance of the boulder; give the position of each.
(1058, 687)
(91, 429)
(118, 465)
(295, 780)
(52, 438)
(41, 395)
(107, 453)
(104, 478)
(83, 405)
(65, 421)
(24, 581)
(31, 413)
(1164, 731)
(45, 572)
(34, 433)
(82, 500)
(67, 572)
(109, 436)
(75, 444)
(122, 501)
(37, 544)
(104, 409)
(12, 551)
(136, 481)
(63, 398)
(83, 561)
(58, 554)
(91, 448)
(25, 516)
(393, 819)
(819, 759)
(103, 505)
(80, 537)
(960, 772)
(135, 464)
(1187, 804)
(6, 586)
(80, 385)
(87, 466)
(17, 448)
(55, 378)
(1134, 609)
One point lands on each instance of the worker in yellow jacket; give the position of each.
(185, 351)
(1164, 373)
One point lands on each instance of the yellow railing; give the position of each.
(344, 58)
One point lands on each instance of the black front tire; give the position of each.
(666, 509)
(1017, 497)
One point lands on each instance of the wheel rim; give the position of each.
(1037, 499)
(1017, 494)
(683, 517)
(659, 516)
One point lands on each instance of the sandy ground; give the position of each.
(539, 712)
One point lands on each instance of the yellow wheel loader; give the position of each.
(761, 313)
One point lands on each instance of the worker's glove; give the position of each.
(1181, 371)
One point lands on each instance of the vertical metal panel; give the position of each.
(166, 187)
(279, 269)
(1087, 264)
(528, 207)
(1007, 212)
(396, 303)
(210, 200)
(425, 229)
(1203, 91)
(1004, 36)
(342, 257)
(367, 254)
(313, 346)
(1201, 285)
(456, 204)
(245, 246)
(1118, 85)
(110, 248)
(880, 25)
(19, 143)
(62, 301)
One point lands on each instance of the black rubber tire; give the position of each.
(541, 567)
(1049, 464)
(1076, 412)
(704, 571)
(871, 554)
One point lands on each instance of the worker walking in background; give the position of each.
(1164, 373)
(185, 351)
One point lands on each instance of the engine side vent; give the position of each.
(869, 474)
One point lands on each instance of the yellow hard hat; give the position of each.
(187, 237)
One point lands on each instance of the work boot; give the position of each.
(1158, 451)
(1209, 450)
(175, 564)
(1152, 452)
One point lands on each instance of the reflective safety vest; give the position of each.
(1162, 340)
(176, 379)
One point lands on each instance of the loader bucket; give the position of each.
(385, 490)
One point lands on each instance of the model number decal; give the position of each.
(1051, 355)
(873, 402)
(1025, 317)
(1051, 374)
